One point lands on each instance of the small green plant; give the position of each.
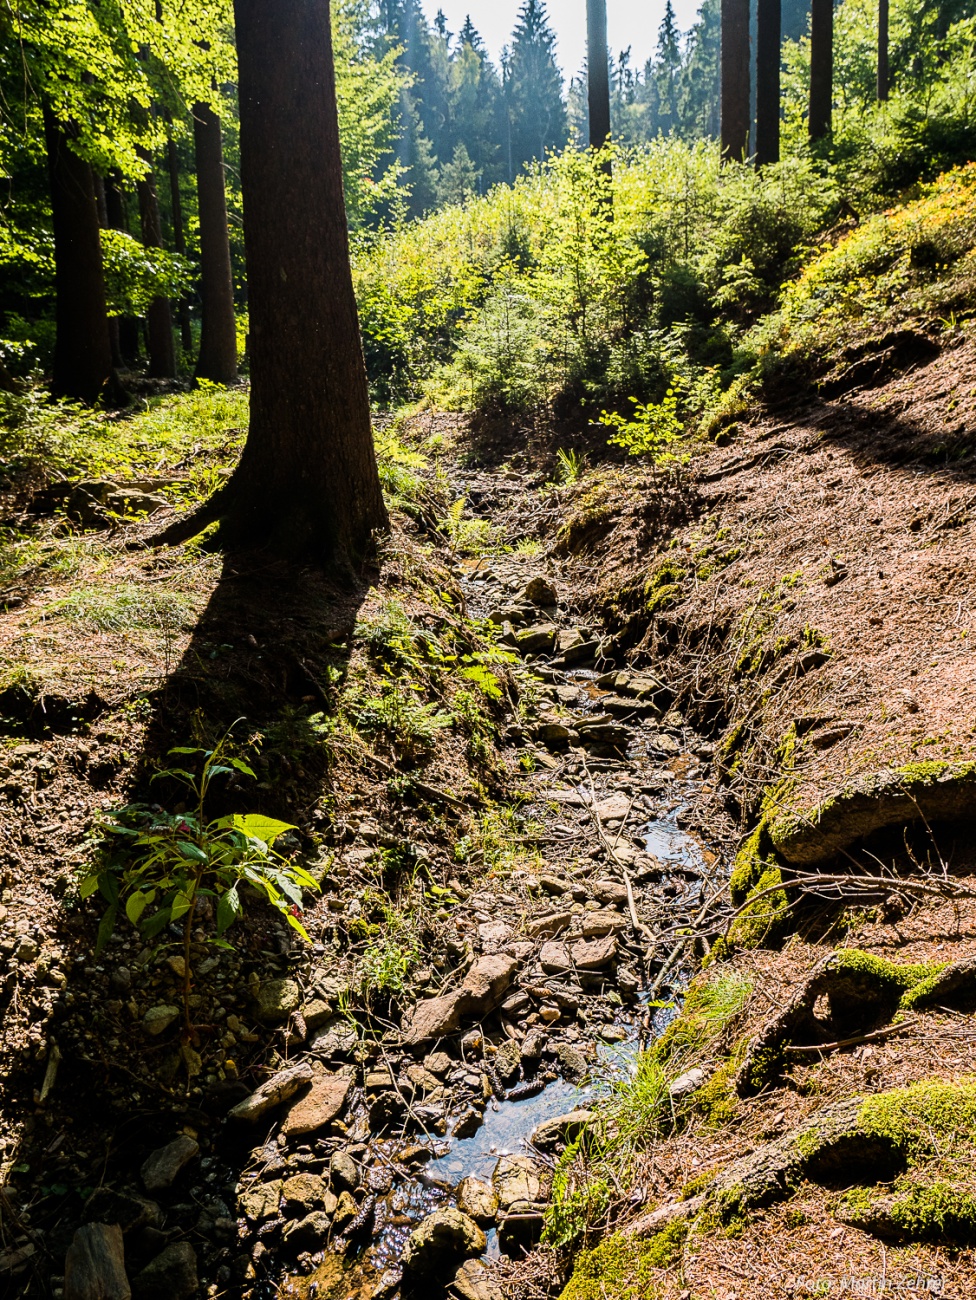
(569, 465)
(656, 426)
(157, 865)
(410, 722)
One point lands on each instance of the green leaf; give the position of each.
(181, 904)
(88, 886)
(295, 924)
(137, 903)
(228, 910)
(191, 851)
(105, 928)
(186, 749)
(266, 829)
(241, 766)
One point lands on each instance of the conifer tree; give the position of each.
(735, 78)
(537, 113)
(667, 69)
(768, 59)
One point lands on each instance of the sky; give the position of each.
(629, 22)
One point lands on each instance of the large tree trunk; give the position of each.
(735, 78)
(598, 75)
(768, 59)
(307, 485)
(162, 353)
(821, 67)
(128, 326)
(82, 348)
(883, 73)
(218, 334)
(179, 237)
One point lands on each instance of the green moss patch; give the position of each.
(625, 1268)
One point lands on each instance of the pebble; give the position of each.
(161, 1169)
(158, 1019)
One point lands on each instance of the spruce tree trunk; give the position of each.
(307, 485)
(735, 78)
(179, 237)
(821, 67)
(883, 73)
(101, 206)
(159, 319)
(128, 326)
(218, 334)
(82, 348)
(598, 76)
(768, 60)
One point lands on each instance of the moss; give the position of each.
(907, 981)
(665, 586)
(625, 1268)
(694, 1186)
(919, 1211)
(710, 1003)
(716, 1099)
(927, 1117)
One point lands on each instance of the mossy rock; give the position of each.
(624, 1267)
(936, 1212)
(933, 791)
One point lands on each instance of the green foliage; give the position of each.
(407, 721)
(135, 274)
(653, 430)
(122, 606)
(626, 1268)
(569, 465)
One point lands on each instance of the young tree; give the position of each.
(598, 76)
(821, 68)
(217, 359)
(82, 350)
(534, 84)
(768, 60)
(735, 78)
(307, 484)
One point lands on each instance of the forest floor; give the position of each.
(522, 761)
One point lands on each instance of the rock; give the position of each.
(518, 1178)
(540, 591)
(276, 1000)
(320, 1105)
(127, 1209)
(549, 1013)
(597, 924)
(345, 1211)
(161, 1169)
(467, 1123)
(481, 991)
(571, 1060)
(441, 1242)
(386, 1111)
(477, 1199)
(273, 1092)
(303, 1193)
(594, 954)
(614, 808)
(158, 1019)
(665, 745)
(128, 501)
(473, 1281)
(551, 733)
(438, 1063)
(618, 707)
(575, 648)
(552, 923)
(554, 958)
(261, 1202)
(603, 731)
(687, 1082)
(507, 1059)
(532, 1046)
(309, 1233)
(388, 1284)
(343, 1171)
(422, 1079)
(94, 1267)
(555, 885)
(316, 1013)
(494, 933)
(560, 1130)
(172, 1275)
(611, 892)
(336, 1038)
(538, 639)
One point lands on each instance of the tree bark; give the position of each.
(162, 353)
(218, 334)
(307, 485)
(179, 237)
(768, 60)
(883, 73)
(101, 206)
(821, 67)
(82, 348)
(127, 326)
(598, 76)
(735, 78)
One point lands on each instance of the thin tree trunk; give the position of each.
(598, 77)
(218, 333)
(821, 67)
(883, 73)
(128, 326)
(735, 78)
(82, 348)
(307, 485)
(162, 353)
(768, 60)
(101, 205)
(179, 237)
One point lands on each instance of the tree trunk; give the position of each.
(162, 353)
(82, 348)
(598, 76)
(101, 206)
(768, 60)
(307, 485)
(128, 326)
(179, 237)
(883, 74)
(821, 67)
(735, 78)
(218, 335)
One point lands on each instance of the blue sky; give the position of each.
(629, 22)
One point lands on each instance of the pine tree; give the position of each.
(537, 112)
(667, 69)
(700, 84)
(735, 78)
(768, 60)
(821, 67)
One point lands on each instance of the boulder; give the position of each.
(441, 1242)
(519, 1178)
(94, 1267)
(477, 1199)
(273, 1092)
(276, 1000)
(559, 1130)
(161, 1169)
(538, 639)
(481, 991)
(540, 591)
(320, 1105)
(172, 1275)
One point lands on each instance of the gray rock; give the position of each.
(481, 991)
(519, 1178)
(594, 954)
(597, 924)
(303, 1193)
(687, 1082)
(336, 1038)
(261, 1201)
(276, 1000)
(551, 733)
(467, 1123)
(507, 1059)
(161, 1169)
(540, 591)
(158, 1019)
(309, 1233)
(273, 1092)
(551, 924)
(94, 1267)
(561, 1129)
(554, 958)
(343, 1171)
(538, 639)
(477, 1199)
(613, 893)
(532, 1047)
(172, 1275)
(571, 1060)
(441, 1242)
(473, 1281)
